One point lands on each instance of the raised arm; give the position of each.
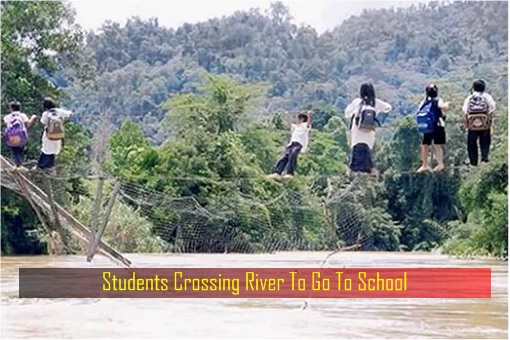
(64, 113)
(31, 121)
(444, 106)
(310, 113)
(352, 108)
(382, 106)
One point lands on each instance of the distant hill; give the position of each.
(141, 64)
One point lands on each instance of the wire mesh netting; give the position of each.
(286, 220)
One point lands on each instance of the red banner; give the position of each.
(255, 283)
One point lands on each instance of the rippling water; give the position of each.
(242, 318)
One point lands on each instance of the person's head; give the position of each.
(479, 85)
(302, 118)
(367, 93)
(431, 91)
(48, 103)
(14, 106)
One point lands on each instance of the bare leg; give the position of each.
(424, 159)
(374, 172)
(438, 151)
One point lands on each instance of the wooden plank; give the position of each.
(60, 230)
(95, 215)
(108, 211)
(52, 245)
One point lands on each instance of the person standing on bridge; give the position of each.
(53, 121)
(362, 113)
(16, 132)
(478, 111)
(432, 108)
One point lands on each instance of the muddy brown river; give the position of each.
(255, 319)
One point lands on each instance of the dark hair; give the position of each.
(479, 85)
(431, 91)
(15, 105)
(303, 117)
(48, 103)
(367, 94)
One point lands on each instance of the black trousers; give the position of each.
(289, 159)
(17, 155)
(475, 139)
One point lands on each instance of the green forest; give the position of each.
(193, 119)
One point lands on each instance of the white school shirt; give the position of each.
(15, 114)
(358, 136)
(52, 147)
(486, 96)
(300, 134)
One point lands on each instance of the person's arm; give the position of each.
(465, 105)
(491, 102)
(352, 108)
(444, 106)
(309, 125)
(29, 122)
(64, 113)
(382, 106)
(44, 118)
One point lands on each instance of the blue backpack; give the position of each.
(426, 117)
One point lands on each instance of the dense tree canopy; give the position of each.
(205, 102)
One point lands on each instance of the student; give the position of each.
(16, 132)
(298, 144)
(53, 121)
(363, 112)
(478, 109)
(432, 108)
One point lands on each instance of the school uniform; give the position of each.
(482, 138)
(438, 136)
(362, 141)
(17, 152)
(50, 148)
(298, 144)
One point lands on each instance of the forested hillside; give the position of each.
(141, 64)
(193, 113)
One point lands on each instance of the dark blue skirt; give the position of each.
(361, 158)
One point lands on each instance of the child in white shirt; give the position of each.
(362, 140)
(481, 135)
(51, 147)
(298, 144)
(17, 141)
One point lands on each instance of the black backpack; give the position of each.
(366, 119)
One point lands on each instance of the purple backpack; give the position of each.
(16, 133)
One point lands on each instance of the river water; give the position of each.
(243, 318)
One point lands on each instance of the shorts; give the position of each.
(46, 161)
(361, 158)
(438, 137)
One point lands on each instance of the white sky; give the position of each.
(322, 15)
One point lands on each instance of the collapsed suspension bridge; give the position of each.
(43, 203)
(181, 224)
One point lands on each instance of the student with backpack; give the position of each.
(298, 144)
(363, 113)
(478, 109)
(53, 121)
(16, 132)
(430, 119)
